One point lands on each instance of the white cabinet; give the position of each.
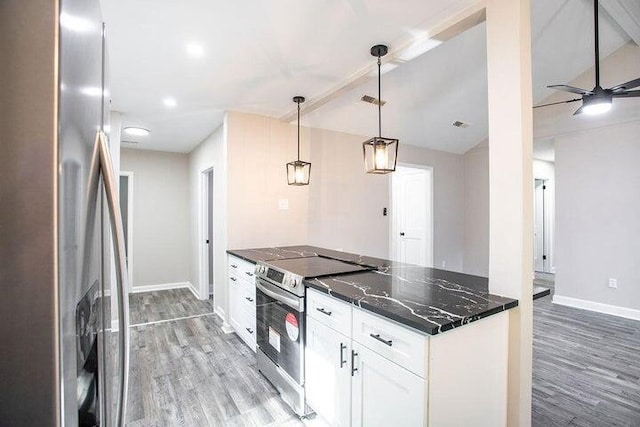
(328, 373)
(242, 304)
(383, 393)
(402, 377)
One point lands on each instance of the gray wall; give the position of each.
(160, 228)
(476, 211)
(598, 215)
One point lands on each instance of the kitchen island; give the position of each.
(399, 344)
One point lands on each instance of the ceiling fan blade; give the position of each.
(571, 89)
(626, 94)
(559, 102)
(578, 111)
(625, 86)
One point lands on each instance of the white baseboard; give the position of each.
(226, 328)
(193, 290)
(161, 287)
(628, 313)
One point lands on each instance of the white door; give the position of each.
(539, 226)
(328, 373)
(412, 221)
(385, 394)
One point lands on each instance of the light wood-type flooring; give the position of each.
(187, 372)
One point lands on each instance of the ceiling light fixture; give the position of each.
(195, 50)
(298, 172)
(380, 153)
(136, 131)
(169, 102)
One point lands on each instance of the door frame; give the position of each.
(393, 228)
(203, 248)
(129, 241)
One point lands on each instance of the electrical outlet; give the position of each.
(444, 264)
(283, 204)
(613, 283)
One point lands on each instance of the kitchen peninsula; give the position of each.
(393, 344)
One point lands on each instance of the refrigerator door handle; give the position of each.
(111, 190)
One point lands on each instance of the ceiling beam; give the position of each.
(443, 31)
(627, 14)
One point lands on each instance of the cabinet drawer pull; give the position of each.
(233, 279)
(353, 362)
(249, 330)
(234, 266)
(382, 340)
(248, 274)
(323, 311)
(249, 299)
(342, 360)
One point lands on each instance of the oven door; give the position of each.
(281, 327)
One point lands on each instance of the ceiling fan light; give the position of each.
(600, 106)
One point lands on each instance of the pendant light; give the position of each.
(380, 153)
(298, 172)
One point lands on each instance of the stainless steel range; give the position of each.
(280, 320)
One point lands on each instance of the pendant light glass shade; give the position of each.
(380, 154)
(298, 171)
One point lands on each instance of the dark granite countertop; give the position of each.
(427, 299)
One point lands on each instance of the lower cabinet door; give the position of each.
(385, 394)
(328, 374)
(235, 304)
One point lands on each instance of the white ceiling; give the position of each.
(257, 57)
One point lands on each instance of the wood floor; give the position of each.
(586, 369)
(154, 306)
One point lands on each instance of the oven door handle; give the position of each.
(280, 295)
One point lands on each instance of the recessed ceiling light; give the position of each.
(136, 131)
(169, 102)
(195, 50)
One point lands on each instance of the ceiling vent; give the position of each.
(371, 100)
(129, 142)
(460, 124)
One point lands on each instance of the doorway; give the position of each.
(540, 228)
(411, 239)
(126, 211)
(206, 235)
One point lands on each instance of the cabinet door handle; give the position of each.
(353, 362)
(248, 274)
(343, 347)
(234, 266)
(233, 279)
(382, 340)
(249, 330)
(249, 299)
(323, 311)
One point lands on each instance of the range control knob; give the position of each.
(294, 283)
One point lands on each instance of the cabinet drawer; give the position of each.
(330, 311)
(248, 330)
(242, 268)
(392, 341)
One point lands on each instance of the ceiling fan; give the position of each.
(597, 100)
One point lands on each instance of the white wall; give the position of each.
(211, 153)
(598, 215)
(476, 211)
(160, 227)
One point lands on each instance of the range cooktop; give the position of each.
(289, 273)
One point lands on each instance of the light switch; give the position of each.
(283, 204)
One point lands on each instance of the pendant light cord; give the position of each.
(379, 101)
(298, 131)
(597, 41)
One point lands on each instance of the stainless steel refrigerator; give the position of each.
(63, 317)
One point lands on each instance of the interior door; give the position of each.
(412, 216)
(538, 227)
(328, 373)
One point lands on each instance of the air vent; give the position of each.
(129, 142)
(460, 124)
(371, 100)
